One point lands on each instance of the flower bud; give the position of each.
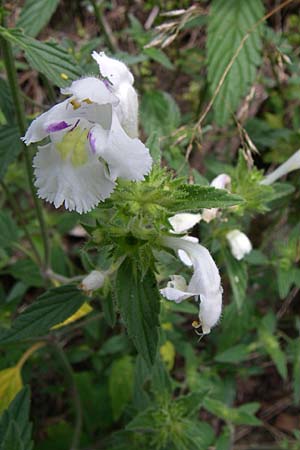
(92, 281)
(239, 243)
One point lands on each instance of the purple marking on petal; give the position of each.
(92, 141)
(108, 84)
(57, 126)
(75, 125)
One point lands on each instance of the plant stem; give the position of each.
(21, 119)
(104, 27)
(59, 352)
(29, 352)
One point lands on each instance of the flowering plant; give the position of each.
(149, 252)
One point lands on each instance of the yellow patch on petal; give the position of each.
(81, 312)
(87, 100)
(167, 353)
(73, 145)
(75, 104)
(10, 385)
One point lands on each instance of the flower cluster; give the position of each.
(92, 139)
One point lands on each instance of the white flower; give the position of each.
(205, 282)
(222, 181)
(293, 163)
(92, 281)
(120, 81)
(184, 221)
(88, 148)
(239, 243)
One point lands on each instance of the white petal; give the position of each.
(93, 89)
(293, 163)
(38, 127)
(79, 188)
(127, 109)
(240, 244)
(116, 71)
(184, 221)
(205, 282)
(221, 181)
(127, 158)
(183, 256)
(176, 289)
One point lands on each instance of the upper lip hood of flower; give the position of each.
(240, 244)
(114, 70)
(88, 148)
(205, 282)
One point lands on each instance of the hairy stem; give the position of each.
(21, 119)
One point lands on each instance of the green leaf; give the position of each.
(192, 197)
(138, 300)
(8, 230)
(49, 309)
(233, 354)
(10, 385)
(159, 56)
(27, 271)
(238, 416)
(10, 147)
(18, 413)
(194, 435)
(159, 113)
(12, 439)
(35, 15)
(154, 147)
(272, 347)
(229, 21)
(238, 277)
(296, 372)
(49, 58)
(120, 384)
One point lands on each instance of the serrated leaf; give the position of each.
(238, 277)
(49, 309)
(18, 412)
(138, 300)
(10, 385)
(228, 23)
(159, 113)
(81, 312)
(49, 58)
(10, 147)
(8, 230)
(35, 14)
(192, 197)
(12, 438)
(120, 384)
